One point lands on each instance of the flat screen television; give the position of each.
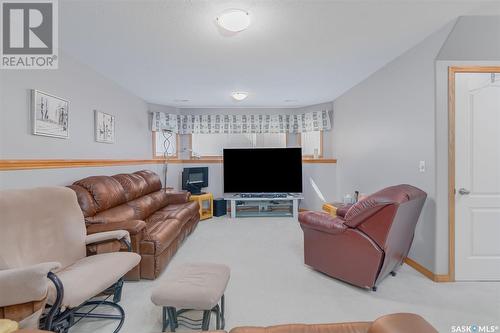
(263, 170)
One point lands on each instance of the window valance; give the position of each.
(258, 123)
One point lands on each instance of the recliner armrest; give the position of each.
(322, 222)
(106, 236)
(25, 284)
(177, 197)
(133, 227)
(100, 237)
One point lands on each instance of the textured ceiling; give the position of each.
(295, 53)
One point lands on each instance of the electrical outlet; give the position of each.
(421, 166)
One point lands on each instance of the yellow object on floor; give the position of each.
(8, 326)
(206, 202)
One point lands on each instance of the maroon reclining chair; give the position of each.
(368, 241)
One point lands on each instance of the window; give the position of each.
(213, 144)
(310, 141)
(159, 144)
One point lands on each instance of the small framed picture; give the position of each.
(104, 127)
(49, 115)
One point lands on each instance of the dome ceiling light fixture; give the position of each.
(239, 95)
(234, 20)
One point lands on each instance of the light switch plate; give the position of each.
(421, 166)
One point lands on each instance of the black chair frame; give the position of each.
(173, 318)
(59, 321)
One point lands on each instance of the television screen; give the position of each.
(261, 170)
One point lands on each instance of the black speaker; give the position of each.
(220, 207)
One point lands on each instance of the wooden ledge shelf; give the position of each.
(319, 160)
(63, 163)
(32, 164)
(219, 160)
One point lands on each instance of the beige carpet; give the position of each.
(270, 285)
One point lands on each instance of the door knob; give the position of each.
(463, 191)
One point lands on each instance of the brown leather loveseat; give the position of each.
(368, 241)
(157, 219)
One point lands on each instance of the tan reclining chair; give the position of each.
(43, 260)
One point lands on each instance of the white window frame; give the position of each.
(320, 155)
(158, 156)
(220, 156)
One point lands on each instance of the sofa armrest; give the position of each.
(401, 322)
(177, 197)
(133, 227)
(322, 222)
(121, 235)
(25, 284)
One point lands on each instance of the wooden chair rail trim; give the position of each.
(63, 163)
(319, 160)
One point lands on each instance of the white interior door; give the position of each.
(477, 176)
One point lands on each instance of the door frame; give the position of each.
(452, 70)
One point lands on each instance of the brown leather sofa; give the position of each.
(391, 323)
(368, 241)
(157, 219)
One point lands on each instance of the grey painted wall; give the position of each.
(384, 126)
(63, 177)
(86, 91)
(473, 38)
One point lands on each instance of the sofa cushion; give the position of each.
(159, 235)
(82, 281)
(38, 225)
(85, 200)
(148, 204)
(137, 209)
(134, 185)
(153, 180)
(182, 212)
(106, 191)
(116, 214)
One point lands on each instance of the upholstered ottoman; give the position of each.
(187, 287)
